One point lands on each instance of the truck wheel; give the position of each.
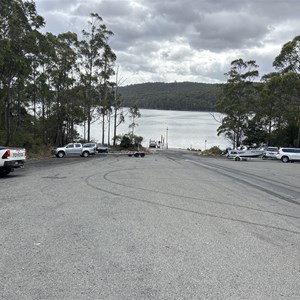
(60, 154)
(237, 158)
(85, 154)
(4, 172)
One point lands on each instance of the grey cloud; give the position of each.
(151, 34)
(217, 33)
(215, 71)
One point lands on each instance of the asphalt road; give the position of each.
(172, 225)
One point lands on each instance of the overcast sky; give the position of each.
(182, 40)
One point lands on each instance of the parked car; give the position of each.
(270, 152)
(71, 149)
(11, 159)
(152, 144)
(91, 146)
(102, 148)
(288, 154)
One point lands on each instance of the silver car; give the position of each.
(270, 152)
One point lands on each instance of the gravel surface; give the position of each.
(171, 225)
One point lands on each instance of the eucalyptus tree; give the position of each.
(96, 66)
(288, 64)
(134, 113)
(290, 86)
(62, 72)
(31, 83)
(268, 109)
(288, 59)
(19, 23)
(105, 104)
(236, 101)
(118, 115)
(274, 112)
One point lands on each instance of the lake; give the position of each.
(178, 129)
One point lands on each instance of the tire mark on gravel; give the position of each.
(87, 181)
(228, 172)
(193, 198)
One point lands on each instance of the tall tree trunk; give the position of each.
(108, 128)
(298, 138)
(89, 123)
(103, 127)
(115, 125)
(43, 121)
(7, 115)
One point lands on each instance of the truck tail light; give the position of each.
(6, 154)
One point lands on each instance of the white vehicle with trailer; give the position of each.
(11, 159)
(244, 154)
(100, 148)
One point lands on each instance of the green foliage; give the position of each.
(236, 100)
(255, 134)
(137, 140)
(134, 113)
(288, 59)
(40, 74)
(18, 44)
(126, 141)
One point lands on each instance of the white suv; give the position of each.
(288, 154)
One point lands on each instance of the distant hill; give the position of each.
(182, 96)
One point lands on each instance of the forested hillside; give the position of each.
(172, 96)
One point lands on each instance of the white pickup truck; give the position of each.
(10, 159)
(73, 149)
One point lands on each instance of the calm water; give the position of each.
(180, 129)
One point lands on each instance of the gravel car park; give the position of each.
(190, 227)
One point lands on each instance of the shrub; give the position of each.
(126, 141)
(214, 151)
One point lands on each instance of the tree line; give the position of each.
(50, 83)
(265, 111)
